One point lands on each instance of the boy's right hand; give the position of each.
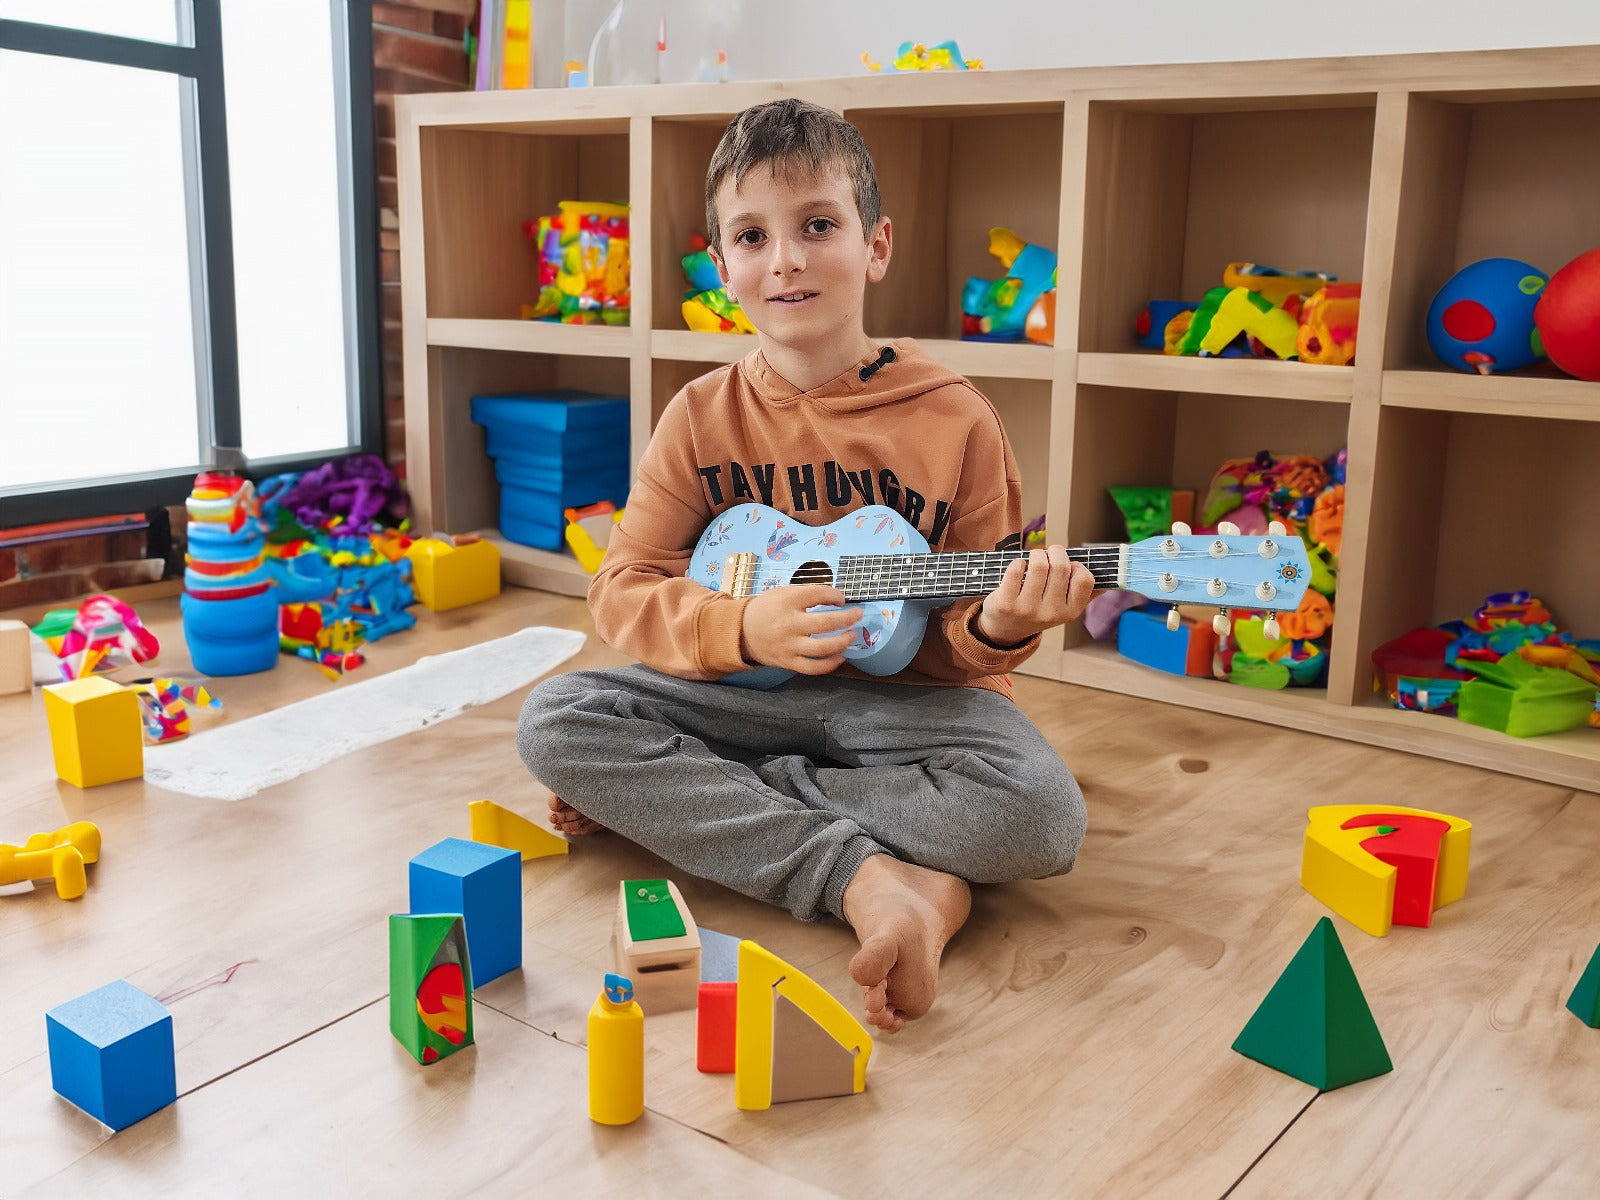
(778, 631)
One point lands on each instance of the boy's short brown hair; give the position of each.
(792, 133)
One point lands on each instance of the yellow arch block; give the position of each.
(1360, 888)
(763, 979)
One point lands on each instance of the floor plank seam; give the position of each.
(276, 1049)
(1256, 1161)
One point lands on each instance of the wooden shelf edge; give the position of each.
(1498, 395)
(531, 337)
(1568, 760)
(684, 345)
(1226, 376)
(993, 360)
(542, 570)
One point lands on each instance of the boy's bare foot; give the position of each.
(903, 914)
(568, 820)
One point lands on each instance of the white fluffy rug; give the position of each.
(237, 760)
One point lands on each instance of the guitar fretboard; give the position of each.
(865, 577)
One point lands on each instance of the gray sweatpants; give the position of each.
(782, 794)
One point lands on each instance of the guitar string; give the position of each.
(906, 570)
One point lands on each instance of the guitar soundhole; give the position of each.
(812, 572)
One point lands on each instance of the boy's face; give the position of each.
(795, 257)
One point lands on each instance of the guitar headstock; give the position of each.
(1225, 569)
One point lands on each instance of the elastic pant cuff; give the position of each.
(852, 854)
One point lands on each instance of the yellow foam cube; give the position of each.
(446, 576)
(94, 731)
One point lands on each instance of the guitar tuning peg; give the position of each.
(1181, 529)
(1270, 628)
(1276, 529)
(1220, 622)
(1172, 620)
(1227, 529)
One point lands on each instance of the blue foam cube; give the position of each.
(111, 1054)
(483, 884)
(719, 957)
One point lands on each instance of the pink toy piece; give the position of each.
(1106, 609)
(105, 624)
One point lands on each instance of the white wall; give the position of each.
(797, 39)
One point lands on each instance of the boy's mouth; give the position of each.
(791, 297)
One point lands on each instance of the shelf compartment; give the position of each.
(1225, 376)
(531, 337)
(480, 185)
(680, 155)
(1178, 189)
(1541, 392)
(948, 177)
(1466, 504)
(1125, 437)
(1488, 179)
(447, 450)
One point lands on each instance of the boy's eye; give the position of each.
(819, 225)
(748, 237)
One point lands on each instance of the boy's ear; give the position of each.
(879, 247)
(716, 261)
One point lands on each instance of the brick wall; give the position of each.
(416, 47)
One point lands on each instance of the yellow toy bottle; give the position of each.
(616, 1055)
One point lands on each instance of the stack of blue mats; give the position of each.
(552, 451)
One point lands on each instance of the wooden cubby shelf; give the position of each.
(1394, 171)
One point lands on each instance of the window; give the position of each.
(187, 246)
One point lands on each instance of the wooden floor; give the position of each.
(1080, 1045)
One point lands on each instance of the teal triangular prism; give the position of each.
(1585, 999)
(1315, 1024)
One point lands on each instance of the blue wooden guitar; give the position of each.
(883, 565)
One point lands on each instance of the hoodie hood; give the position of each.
(912, 372)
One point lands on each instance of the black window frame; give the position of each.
(203, 63)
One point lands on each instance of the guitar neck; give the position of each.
(868, 577)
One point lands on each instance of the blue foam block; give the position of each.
(111, 1054)
(719, 957)
(483, 884)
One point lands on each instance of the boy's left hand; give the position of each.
(1052, 590)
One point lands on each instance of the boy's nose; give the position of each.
(787, 256)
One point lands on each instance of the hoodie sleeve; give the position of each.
(952, 649)
(641, 602)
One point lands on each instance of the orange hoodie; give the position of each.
(914, 436)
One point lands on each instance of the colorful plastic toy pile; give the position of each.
(583, 264)
(1511, 666)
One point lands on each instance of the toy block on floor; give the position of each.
(430, 984)
(1315, 1024)
(16, 658)
(60, 856)
(496, 826)
(794, 1041)
(1584, 1003)
(1380, 865)
(96, 732)
(111, 1054)
(716, 1023)
(483, 884)
(657, 945)
(452, 572)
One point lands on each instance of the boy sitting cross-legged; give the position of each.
(837, 793)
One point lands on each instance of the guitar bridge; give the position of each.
(738, 574)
